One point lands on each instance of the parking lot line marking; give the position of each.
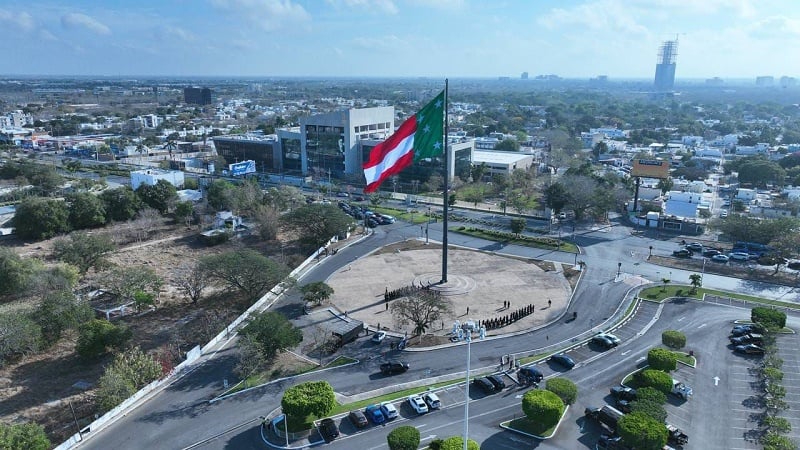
(681, 319)
(701, 325)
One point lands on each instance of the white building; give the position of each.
(151, 176)
(502, 162)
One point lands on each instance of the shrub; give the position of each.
(457, 443)
(129, 372)
(641, 431)
(313, 398)
(656, 379)
(403, 438)
(661, 359)
(768, 317)
(543, 407)
(563, 388)
(97, 336)
(650, 409)
(673, 339)
(29, 436)
(652, 395)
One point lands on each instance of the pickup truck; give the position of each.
(681, 390)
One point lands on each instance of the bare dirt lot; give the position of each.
(41, 387)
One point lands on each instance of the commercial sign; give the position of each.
(650, 168)
(242, 168)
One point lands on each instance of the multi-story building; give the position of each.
(665, 68)
(197, 96)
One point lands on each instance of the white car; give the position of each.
(739, 256)
(388, 410)
(432, 400)
(723, 213)
(418, 404)
(378, 337)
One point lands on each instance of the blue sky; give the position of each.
(433, 38)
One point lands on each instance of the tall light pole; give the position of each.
(427, 224)
(465, 333)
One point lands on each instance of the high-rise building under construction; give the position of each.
(665, 68)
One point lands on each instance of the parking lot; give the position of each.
(787, 350)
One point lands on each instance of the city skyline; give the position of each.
(393, 38)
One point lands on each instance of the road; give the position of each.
(180, 416)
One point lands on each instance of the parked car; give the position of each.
(418, 404)
(394, 367)
(343, 194)
(497, 382)
(794, 265)
(378, 337)
(389, 411)
(612, 338)
(623, 393)
(358, 418)
(720, 258)
(751, 338)
(563, 360)
(387, 219)
(682, 253)
(603, 341)
(711, 252)
(372, 223)
(723, 213)
(624, 406)
(749, 349)
(695, 247)
(328, 429)
(530, 375)
(432, 400)
(374, 414)
(739, 256)
(484, 385)
(741, 330)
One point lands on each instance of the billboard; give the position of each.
(650, 168)
(242, 168)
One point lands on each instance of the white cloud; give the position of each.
(382, 44)
(270, 15)
(78, 20)
(377, 6)
(775, 27)
(23, 20)
(606, 16)
(168, 32)
(445, 5)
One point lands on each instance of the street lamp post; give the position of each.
(427, 224)
(465, 333)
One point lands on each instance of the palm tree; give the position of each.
(696, 281)
(665, 281)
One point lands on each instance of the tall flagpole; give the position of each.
(446, 188)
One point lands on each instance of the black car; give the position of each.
(484, 385)
(695, 247)
(750, 349)
(682, 253)
(529, 375)
(372, 223)
(709, 252)
(564, 360)
(358, 418)
(747, 339)
(624, 406)
(328, 430)
(393, 368)
(623, 393)
(497, 382)
(604, 342)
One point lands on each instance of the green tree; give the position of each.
(478, 171)
(128, 282)
(696, 280)
(404, 437)
(160, 196)
(284, 197)
(121, 204)
(221, 195)
(85, 211)
(457, 443)
(130, 371)
(507, 145)
(673, 339)
(642, 432)
(655, 379)
(267, 221)
(191, 281)
(777, 424)
(15, 271)
(661, 359)
(316, 223)
(451, 200)
(774, 441)
(96, 336)
(650, 409)
(665, 185)
(565, 389)
(183, 211)
(84, 251)
(244, 270)
(768, 317)
(542, 406)
(599, 149)
(19, 335)
(421, 309)
(311, 399)
(556, 197)
(272, 333)
(28, 436)
(761, 172)
(39, 218)
(60, 311)
(316, 292)
(518, 225)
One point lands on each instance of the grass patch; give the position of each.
(529, 359)
(343, 408)
(509, 238)
(525, 425)
(685, 358)
(340, 361)
(418, 216)
(659, 293)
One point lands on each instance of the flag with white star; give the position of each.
(430, 124)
